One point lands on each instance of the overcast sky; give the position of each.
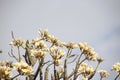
(94, 21)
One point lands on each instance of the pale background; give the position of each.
(94, 21)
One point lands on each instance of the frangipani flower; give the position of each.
(38, 53)
(23, 68)
(85, 70)
(56, 54)
(17, 42)
(103, 73)
(5, 72)
(88, 51)
(116, 67)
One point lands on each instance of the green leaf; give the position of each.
(27, 42)
(0, 51)
(70, 56)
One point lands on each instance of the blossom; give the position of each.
(85, 47)
(100, 60)
(89, 70)
(82, 67)
(103, 73)
(85, 70)
(35, 40)
(88, 51)
(57, 62)
(71, 45)
(17, 42)
(6, 63)
(91, 56)
(56, 54)
(38, 53)
(23, 68)
(43, 33)
(5, 72)
(40, 44)
(116, 67)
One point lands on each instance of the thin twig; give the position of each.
(46, 62)
(117, 76)
(46, 72)
(91, 76)
(82, 61)
(12, 55)
(101, 78)
(12, 35)
(73, 60)
(37, 71)
(15, 76)
(55, 71)
(27, 58)
(19, 58)
(77, 66)
(71, 75)
(41, 66)
(65, 65)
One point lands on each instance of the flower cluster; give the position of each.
(38, 48)
(23, 68)
(17, 42)
(71, 45)
(5, 70)
(38, 53)
(38, 44)
(33, 65)
(50, 38)
(88, 51)
(85, 70)
(116, 67)
(103, 73)
(56, 54)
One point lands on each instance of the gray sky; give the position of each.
(94, 21)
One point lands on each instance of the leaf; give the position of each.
(70, 56)
(0, 51)
(27, 42)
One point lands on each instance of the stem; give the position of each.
(77, 66)
(58, 78)
(46, 72)
(27, 78)
(65, 70)
(52, 78)
(117, 76)
(101, 78)
(82, 61)
(91, 76)
(65, 65)
(97, 66)
(41, 66)
(19, 53)
(15, 76)
(55, 71)
(39, 69)
(41, 75)
(73, 60)
(12, 55)
(79, 57)
(71, 75)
